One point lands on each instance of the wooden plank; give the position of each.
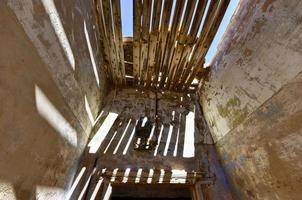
(144, 175)
(137, 9)
(110, 35)
(151, 57)
(116, 11)
(181, 40)
(156, 176)
(114, 44)
(105, 41)
(167, 176)
(146, 16)
(173, 36)
(164, 30)
(181, 138)
(157, 162)
(157, 6)
(182, 66)
(144, 40)
(111, 135)
(191, 39)
(163, 140)
(201, 6)
(126, 137)
(175, 63)
(207, 38)
(96, 11)
(175, 133)
(114, 143)
(209, 17)
(132, 176)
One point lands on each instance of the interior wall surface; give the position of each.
(52, 85)
(252, 100)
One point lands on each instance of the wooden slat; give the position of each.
(105, 41)
(164, 29)
(175, 53)
(183, 63)
(190, 42)
(201, 6)
(145, 39)
(173, 35)
(137, 8)
(110, 35)
(153, 40)
(126, 138)
(210, 15)
(100, 37)
(181, 40)
(116, 11)
(207, 38)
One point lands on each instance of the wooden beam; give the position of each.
(172, 42)
(164, 31)
(196, 53)
(146, 16)
(153, 44)
(101, 33)
(137, 8)
(192, 38)
(118, 40)
(207, 39)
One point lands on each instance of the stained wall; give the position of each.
(52, 86)
(252, 99)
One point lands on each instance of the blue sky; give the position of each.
(127, 24)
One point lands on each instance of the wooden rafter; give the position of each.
(173, 50)
(109, 22)
(170, 40)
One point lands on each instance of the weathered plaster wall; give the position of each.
(44, 78)
(252, 100)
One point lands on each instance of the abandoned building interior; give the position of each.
(89, 112)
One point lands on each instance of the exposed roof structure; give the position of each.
(169, 43)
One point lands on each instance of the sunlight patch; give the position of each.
(100, 135)
(189, 136)
(91, 55)
(56, 23)
(88, 111)
(50, 113)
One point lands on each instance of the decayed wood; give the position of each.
(137, 7)
(105, 40)
(190, 43)
(196, 58)
(207, 38)
(172, 42)
(116, 11)
(146, 17)
(164, 30)
(181, 40)
(109, 24)
(119, 176)
(153, 41)
(100, 32)
(110, 35)
(164, 55)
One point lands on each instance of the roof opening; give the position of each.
(127, 18)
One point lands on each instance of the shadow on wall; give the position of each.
(33, 150)
(41, 135)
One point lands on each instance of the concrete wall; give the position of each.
(253, 101)
(48, 50)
